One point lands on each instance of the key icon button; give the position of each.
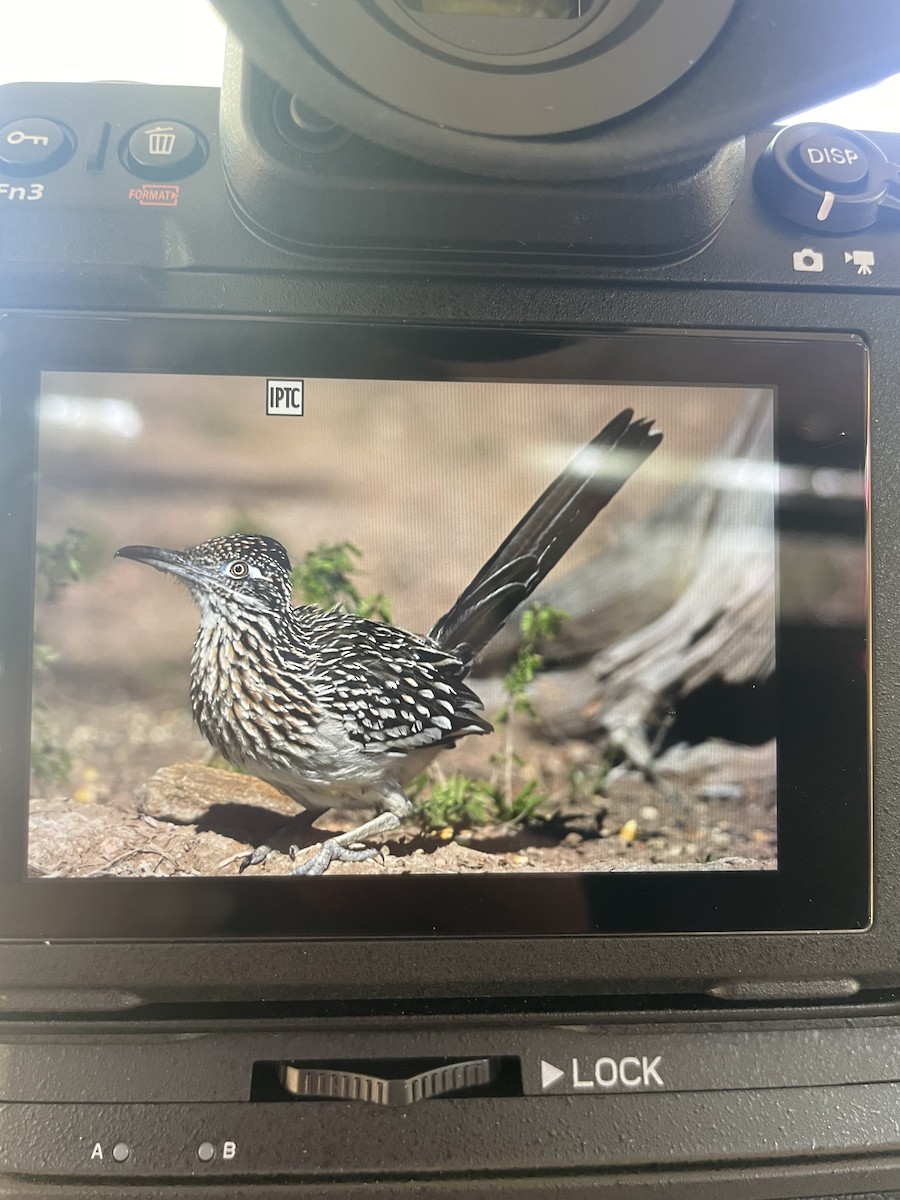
(34, 146)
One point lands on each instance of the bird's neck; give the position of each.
(229, 662)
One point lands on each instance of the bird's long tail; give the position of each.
(546, 532)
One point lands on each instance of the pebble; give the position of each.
(582, 753)
(628, 832)
(722, 791)
(554, 765)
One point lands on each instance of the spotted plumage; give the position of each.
(334, 708)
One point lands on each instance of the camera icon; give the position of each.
(808, 260)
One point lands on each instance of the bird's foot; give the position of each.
(332, 851)
(254, 858)
(344, 847)
(348, 847)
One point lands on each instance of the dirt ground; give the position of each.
(136, 819)
(361, 465)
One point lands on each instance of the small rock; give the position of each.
(628, 832)
(582, 753)
(722, 791)
(185, 792)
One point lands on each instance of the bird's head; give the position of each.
(246, 571)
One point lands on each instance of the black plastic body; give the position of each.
(343, 202)
(753, 1105)
(86, 248)
(769, 59)
(819, 699)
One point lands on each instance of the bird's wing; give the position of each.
(393, 691)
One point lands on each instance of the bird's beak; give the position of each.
(170, 561)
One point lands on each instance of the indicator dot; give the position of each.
(206, 1151)
(121, 1151)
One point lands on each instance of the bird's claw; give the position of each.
(255, 857)
(332, 851)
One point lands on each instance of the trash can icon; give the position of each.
(161, 139)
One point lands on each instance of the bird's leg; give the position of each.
(345, 847)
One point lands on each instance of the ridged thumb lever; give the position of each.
(336, 1083)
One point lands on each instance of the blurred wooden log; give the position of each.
(722, 625)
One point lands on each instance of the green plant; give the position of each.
(325, 576)
(57, 564)
(509, 799)
(588, 782)
(539, 624)
(455, 801)
(42, 656)
(460, 802)
(521, 808)
(50, 761)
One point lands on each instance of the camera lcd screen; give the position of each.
(675, 713)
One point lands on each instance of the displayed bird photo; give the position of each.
(334, 627)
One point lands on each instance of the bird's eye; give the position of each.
(238, 570)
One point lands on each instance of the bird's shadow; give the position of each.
(255, 826)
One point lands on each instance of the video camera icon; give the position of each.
(863, 260)
(808, 259)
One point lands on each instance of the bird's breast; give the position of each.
(248, 703)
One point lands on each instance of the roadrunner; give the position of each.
(331, 708)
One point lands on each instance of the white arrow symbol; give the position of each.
(549, 1074)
